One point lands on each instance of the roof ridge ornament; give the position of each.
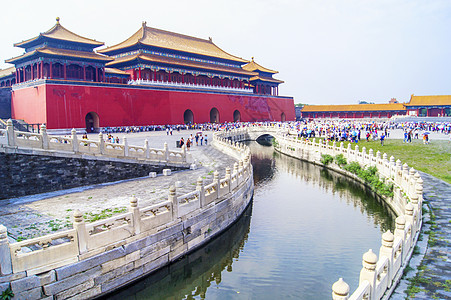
(144, 23)
(57, 20)
(210, 39)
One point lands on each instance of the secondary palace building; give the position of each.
(153, 77)
(421, 106)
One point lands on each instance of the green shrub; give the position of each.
(326, 159)
(340, 160)
(353, 167)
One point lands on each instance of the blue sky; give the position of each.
(326, 51)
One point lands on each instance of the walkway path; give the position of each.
(432, 266)
(35, 215)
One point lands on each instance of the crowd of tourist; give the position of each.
(332, 130)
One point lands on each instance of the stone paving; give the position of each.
(431, 267)
(37, 215)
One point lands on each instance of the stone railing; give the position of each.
(189, 85)
(95, 258)
(43, 141)
(379, 276)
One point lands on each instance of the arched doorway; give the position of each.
(188, 117)
(282, 117)
(214, 115)
(236, 116)
(92, 122)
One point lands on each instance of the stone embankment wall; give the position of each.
(32, 163)
(28, 174)
(96, 258)
(379, 276)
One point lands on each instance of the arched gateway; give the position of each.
(282, 117)
(236, 116)
(92, 122)
(188, 117)
(214, 115)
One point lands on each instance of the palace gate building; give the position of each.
(153, 77)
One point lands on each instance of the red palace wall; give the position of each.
(66, 106)
(31, 105)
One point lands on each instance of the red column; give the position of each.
(195, 79)
(32, 72)
(24, 78)
(183, 78)
(51, 69)
(64, 71)
(84, 72)
(42, 69)
(211, 81)
(97, 74)
(17, 77)
(427, 112)
(442, 112)
(139, 73)
(104, 79)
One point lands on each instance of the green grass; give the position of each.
(434, 159)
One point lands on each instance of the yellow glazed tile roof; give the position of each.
(115, 71)
(7, 72)
(267, 79)
(60, 33)
(173, 41)
(354, 107)
(179, 62)
(429, 100)
(253, 66)
(63, 52)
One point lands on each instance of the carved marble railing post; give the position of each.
(235, 168)
(387, 251)
(228, 176)
(201, 190)
(126, 150)
(135, 214)
(5, 253)
(101, 143)
(410, 217)
(45, 137)
(10, 133)
(368, 271)
(419, 189)
(401, 233)
(82, 234)
(75, 144)
(340, 290)
(173, 199)
(216, 182)
(412, 182)
(416, 209)
(146, 148)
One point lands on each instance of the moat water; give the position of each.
(305, 228)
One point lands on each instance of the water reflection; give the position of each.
(309, 227)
